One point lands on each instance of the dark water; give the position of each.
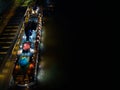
(68, 43)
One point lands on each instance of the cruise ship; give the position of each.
(27, 61)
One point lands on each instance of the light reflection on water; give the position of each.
(51, 72)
